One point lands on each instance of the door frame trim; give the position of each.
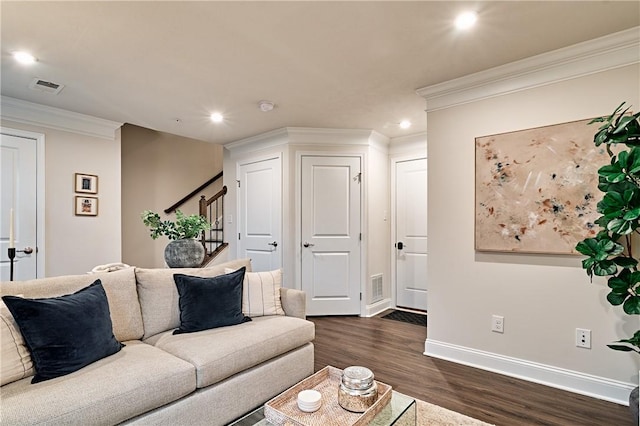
(363, 217)
(40, 192)
(394, 160)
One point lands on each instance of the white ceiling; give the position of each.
(168, 65)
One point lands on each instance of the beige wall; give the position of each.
(158, 169)
(543, 298)
(75, 244)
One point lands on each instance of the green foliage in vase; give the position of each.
(610, 252)
(184, 226)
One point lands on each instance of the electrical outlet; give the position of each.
(497, 324)
(583, 338)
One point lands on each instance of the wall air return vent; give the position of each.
(45, 86)
(376, 288)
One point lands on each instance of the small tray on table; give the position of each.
(283, 409)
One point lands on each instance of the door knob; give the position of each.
(306, 244)
(275, 244)
(27, 250)
(400, 245)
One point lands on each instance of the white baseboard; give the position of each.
(377, 307)
(572, 381)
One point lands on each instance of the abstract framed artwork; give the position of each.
(86, 206)
(536, 190)
(87, 184)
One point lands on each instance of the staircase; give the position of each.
(213, 239)
(213, 210)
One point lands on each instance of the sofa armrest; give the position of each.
(294, 302)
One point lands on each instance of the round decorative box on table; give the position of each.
(358, 391)
(309, 400)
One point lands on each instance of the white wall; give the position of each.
(543, 298)
(75, 244)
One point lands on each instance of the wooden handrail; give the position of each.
(205, 202)
(193, 193)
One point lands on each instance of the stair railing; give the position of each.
(213, 209)
(192, 193)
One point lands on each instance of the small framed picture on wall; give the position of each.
(86, 206)
(86, 184)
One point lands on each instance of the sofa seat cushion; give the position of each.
(220, 353)
(133, 381)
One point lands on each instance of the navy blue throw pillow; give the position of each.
(207, 303)
(65, 333)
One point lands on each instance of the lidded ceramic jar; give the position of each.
(358, 391)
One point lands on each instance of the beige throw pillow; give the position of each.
(15, 359)
(261, 293)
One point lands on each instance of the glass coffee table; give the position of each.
(400, 411)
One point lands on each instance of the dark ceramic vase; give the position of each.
(187, 253)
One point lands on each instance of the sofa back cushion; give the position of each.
(15, 359)
(159, 295)
(120, 287)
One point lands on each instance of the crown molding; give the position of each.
(264, 140)
(317, 136)
(590, 57)
(409, 143)
(309, 136)
(55, 118)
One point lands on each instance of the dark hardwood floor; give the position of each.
(393, 350)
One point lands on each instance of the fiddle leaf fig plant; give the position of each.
(610, 252)
(184, 226)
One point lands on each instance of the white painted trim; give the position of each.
(593, 56)
(55, 118)
(377, 307)
(379, 142)
(572, 381)
(40, 194)
(414, 144)
(340, 137)
(308, 136)
(258, 142)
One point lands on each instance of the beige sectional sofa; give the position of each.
(208, 377)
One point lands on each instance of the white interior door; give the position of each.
(411, 234)
(18, 165)
(260, 212)
(330, 234)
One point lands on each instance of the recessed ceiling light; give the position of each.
(25, 58)
(466, 20)
(405, 124)
(216, 117)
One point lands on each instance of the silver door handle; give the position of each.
(27, 250)
(275, 244)
(308, 244)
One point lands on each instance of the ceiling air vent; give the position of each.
(46, 86)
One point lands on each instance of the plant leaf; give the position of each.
(620, 348)
(616, 299)
(625, 261)
(632, 305)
